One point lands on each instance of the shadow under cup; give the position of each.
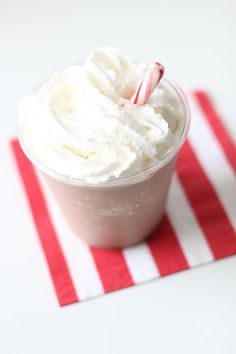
(123, 211)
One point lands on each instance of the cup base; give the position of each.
(121, 240)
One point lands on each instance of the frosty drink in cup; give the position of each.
(107, 161)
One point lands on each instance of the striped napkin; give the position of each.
(199, 225)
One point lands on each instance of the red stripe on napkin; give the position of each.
(166, 250)
(205, 203)
(112, 268)
(55, 259)
(217, 126)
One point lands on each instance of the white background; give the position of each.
(190, 312)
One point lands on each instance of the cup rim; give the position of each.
(124, 180)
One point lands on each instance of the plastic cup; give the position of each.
(123, 211)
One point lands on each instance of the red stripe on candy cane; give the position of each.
(161, 69)
(137, 95)
(148, 84)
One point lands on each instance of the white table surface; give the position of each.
(190, 312)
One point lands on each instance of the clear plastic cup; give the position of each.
(122, 211)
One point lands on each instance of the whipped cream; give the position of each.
(81, 124)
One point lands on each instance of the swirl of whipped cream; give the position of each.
(81, 124)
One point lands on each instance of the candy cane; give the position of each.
(148, 84)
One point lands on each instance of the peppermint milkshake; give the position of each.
(108, 159)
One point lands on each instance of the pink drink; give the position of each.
(123, 211)
(115, 216)
(108, 162)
